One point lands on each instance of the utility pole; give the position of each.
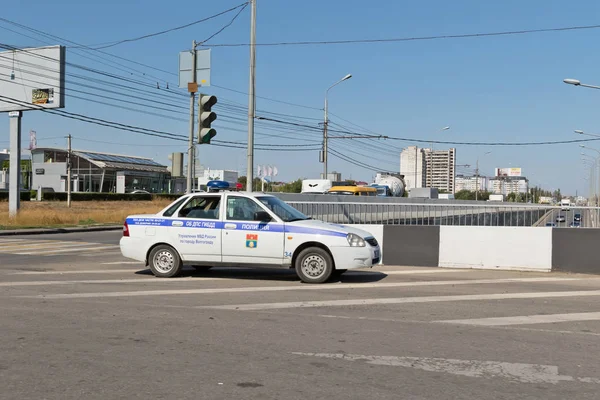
(251, 99)
(325, 139)
(192, 88)
(69, 171)
(477, 180)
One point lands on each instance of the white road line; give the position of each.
(315, 287)
(123, 262)
(41, 246)
(149, 279)
(407, 272)
(400, 300)
(526, 319)
(106, 253)
(516, 372)
(71, 249)
(89, 271)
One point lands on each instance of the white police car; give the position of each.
(244, 229)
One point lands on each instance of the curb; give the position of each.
(39, 231)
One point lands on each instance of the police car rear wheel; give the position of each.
(314, 265)
(165, 262)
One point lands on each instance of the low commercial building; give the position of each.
(98, 172)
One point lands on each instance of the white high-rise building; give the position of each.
(440, 169)
(413, 167)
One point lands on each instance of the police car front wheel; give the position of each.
(314, 265)
(165, 262)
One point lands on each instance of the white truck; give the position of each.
(565, 204)
(316, 186)
(496, 197)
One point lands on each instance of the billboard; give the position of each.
(508, 172)
(32, 78)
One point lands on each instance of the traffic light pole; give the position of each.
(192, 87)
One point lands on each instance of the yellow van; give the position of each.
(353, 190)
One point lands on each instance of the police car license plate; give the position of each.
(376, 253)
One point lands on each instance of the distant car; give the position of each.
(560, 218)
(577, 218)
(575, 225)
(552, 224)
(139, 191)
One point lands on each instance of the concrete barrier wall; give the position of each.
(518, 248)
(411, 245)
(483, 247)
(575, 250)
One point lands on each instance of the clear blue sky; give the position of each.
(506, 88)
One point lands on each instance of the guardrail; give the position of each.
(499, 214)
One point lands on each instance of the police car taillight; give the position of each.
(125, 229)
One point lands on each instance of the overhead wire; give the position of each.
(116, 43)
(411, 39)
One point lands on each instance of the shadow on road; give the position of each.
(287, 275)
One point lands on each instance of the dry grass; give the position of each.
(55, 214)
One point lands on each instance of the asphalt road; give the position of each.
(88, 324)
(569, 217)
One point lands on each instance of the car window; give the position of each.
(201, 207)
(171, 210)
(241, 208)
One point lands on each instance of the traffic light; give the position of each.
(205, 118)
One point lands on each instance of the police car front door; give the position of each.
(196, 229)
(246, 240)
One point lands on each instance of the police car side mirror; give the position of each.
(262, 216)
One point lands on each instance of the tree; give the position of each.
(464, 195)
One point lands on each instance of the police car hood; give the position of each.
(325, 226)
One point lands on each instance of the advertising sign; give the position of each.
(508, 172)
(35, 78)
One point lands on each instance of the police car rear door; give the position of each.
(247, 239)
(196, 229)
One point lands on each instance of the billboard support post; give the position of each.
(14, 195)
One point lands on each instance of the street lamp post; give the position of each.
(576, 82)
(345, 78)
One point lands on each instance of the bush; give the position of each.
(86, 196)
(25, 196)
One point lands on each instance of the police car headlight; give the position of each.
(355, 240)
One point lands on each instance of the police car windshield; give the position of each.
(283, 210)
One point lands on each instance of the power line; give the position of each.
(112, 44)
(410, 39)
(227, 25)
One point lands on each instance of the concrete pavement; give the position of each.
(90, 324)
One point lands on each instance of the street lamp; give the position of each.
(576, 82)
(345, 78)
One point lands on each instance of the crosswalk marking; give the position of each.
(301, 287)
(526, 319)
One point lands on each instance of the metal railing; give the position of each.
(497, 214)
